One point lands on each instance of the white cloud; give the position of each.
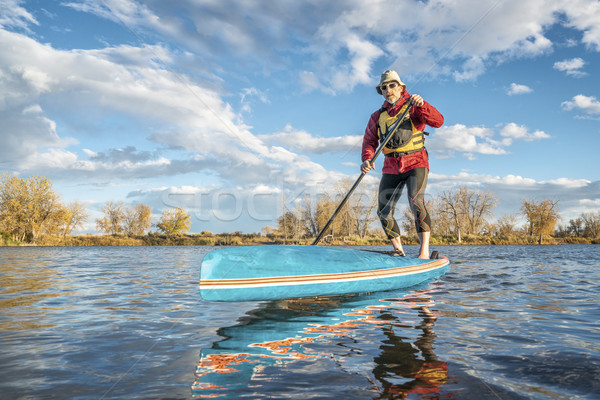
(568, 183)
(472, 68)
(438, 35)
(89, 152)
(310, 80)
(347, 39)
(571, 67)
(304, 142)
(516, 88)
(590, 203)
(463, 139)
(52, 159)
(249, 93)
(25, 130)
(511, 190)
(588, 104)
(584, 15)
(478, 140)
(513, 131)
(188, 126)
(180, 116)
(12, 15)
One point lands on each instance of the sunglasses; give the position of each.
(388, 86)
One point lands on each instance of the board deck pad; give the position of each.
(271, 272)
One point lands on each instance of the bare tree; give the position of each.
(591, 222)
(467, 209)
(439, 224)
(479, 206)
(576, 226)
(309, 217)
(453, 211)
(359, 209)
(290, 226)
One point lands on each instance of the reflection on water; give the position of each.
(27, 280)
(506, 322)
(386, 343)
(102, 322)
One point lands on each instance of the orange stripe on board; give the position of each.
(321, 278)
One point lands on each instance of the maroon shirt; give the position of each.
(420, 116)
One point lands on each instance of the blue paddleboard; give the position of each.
(273, 272)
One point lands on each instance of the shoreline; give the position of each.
(225, 239)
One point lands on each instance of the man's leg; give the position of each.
(390, 189)
(424, 239)
(415, 185)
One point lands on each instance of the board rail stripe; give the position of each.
(321, 278)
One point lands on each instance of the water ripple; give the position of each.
(508, 322)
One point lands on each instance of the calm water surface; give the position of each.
(506, 322)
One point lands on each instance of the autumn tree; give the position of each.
(323, 211)
(72, 216)
(137, 219)
(506, 225)
(114, 217)
(28, 207)
(174, 221)
(267, 230)
(541, 217)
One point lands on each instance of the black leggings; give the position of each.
(390, 190)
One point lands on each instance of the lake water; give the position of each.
(506, 322)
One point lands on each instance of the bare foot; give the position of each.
(398, 253)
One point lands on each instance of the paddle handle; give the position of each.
(362, 175)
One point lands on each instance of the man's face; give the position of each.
(392, 91)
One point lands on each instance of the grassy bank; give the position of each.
(239, 239)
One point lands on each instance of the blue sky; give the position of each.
(233, 109)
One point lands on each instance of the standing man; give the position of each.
(406, 159)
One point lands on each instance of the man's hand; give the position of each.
(366, 166)
(417, 100)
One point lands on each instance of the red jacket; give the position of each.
(421, 116)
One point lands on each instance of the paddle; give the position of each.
(362, 175)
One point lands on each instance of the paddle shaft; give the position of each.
(362, 175)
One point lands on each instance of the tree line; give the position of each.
(455, 214)
(137, 220)
(30, 210)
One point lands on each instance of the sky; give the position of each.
(238, 110)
